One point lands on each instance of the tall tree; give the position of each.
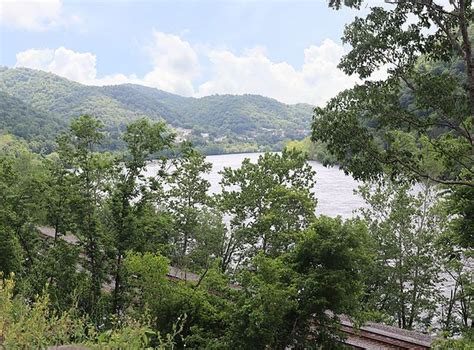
(456, 246)
(419, 121)
(405, 280)
(287, 301)
(89, 173)
(269, 203)
(143, 140)
(331, 261)
(58, 196)
(22, 177)
(187, 199)
(424, 111)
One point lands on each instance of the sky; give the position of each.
(287, 50)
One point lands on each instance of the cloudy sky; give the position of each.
(287, 50)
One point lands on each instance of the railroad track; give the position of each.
(377, 336)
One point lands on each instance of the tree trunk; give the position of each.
(452, 300)
(463, 26)
(117, 285)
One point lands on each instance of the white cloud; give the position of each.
(253, 72)
(66, 63)
(77, 66)
(34, 14)
(176, 65)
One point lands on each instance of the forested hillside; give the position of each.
(98, 251)
(20, 119)
(216, 124)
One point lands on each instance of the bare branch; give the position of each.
(435, 179)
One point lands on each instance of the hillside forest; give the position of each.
(94, 252)
(36, 106)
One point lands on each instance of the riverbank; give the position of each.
(316, 151)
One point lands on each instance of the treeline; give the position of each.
(36, 106)
(269, 273)
(314, 150)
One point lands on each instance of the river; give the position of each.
(334, 189)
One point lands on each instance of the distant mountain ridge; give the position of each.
(36, 105)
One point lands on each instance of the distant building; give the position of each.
(182, 134)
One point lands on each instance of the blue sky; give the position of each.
(287, 50)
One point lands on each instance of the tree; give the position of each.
(261, 316)
(147, 274)
(461, 206)
(423, 112)
(187, 199)
(22, 177)
(418, 122)
(456, 248)
(209, 234)
(10, 257)
(269, 203)
(202, 311)
(59, 195)
(29, 197)
(456, 313)
(331, 263)
(403, 283)
(143, 140)
(315, 150)
(89, 174)
(293, 300)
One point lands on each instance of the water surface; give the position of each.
(333, 189)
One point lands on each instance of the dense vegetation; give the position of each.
(19, 119)
(314, 150)
(264, 270)
(130, 229)
(417, 125)
(267, 269)
(36, 105)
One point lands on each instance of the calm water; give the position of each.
(333, 189)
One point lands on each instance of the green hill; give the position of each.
(36, 105)
(20, 119)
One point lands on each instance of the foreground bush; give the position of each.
(25, 324)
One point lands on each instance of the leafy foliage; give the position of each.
(418, 122)
(103, 275)
(273, 275)
(314, 150)
(269, 204)
(405, 226)
(47, 327)
(413, 126)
